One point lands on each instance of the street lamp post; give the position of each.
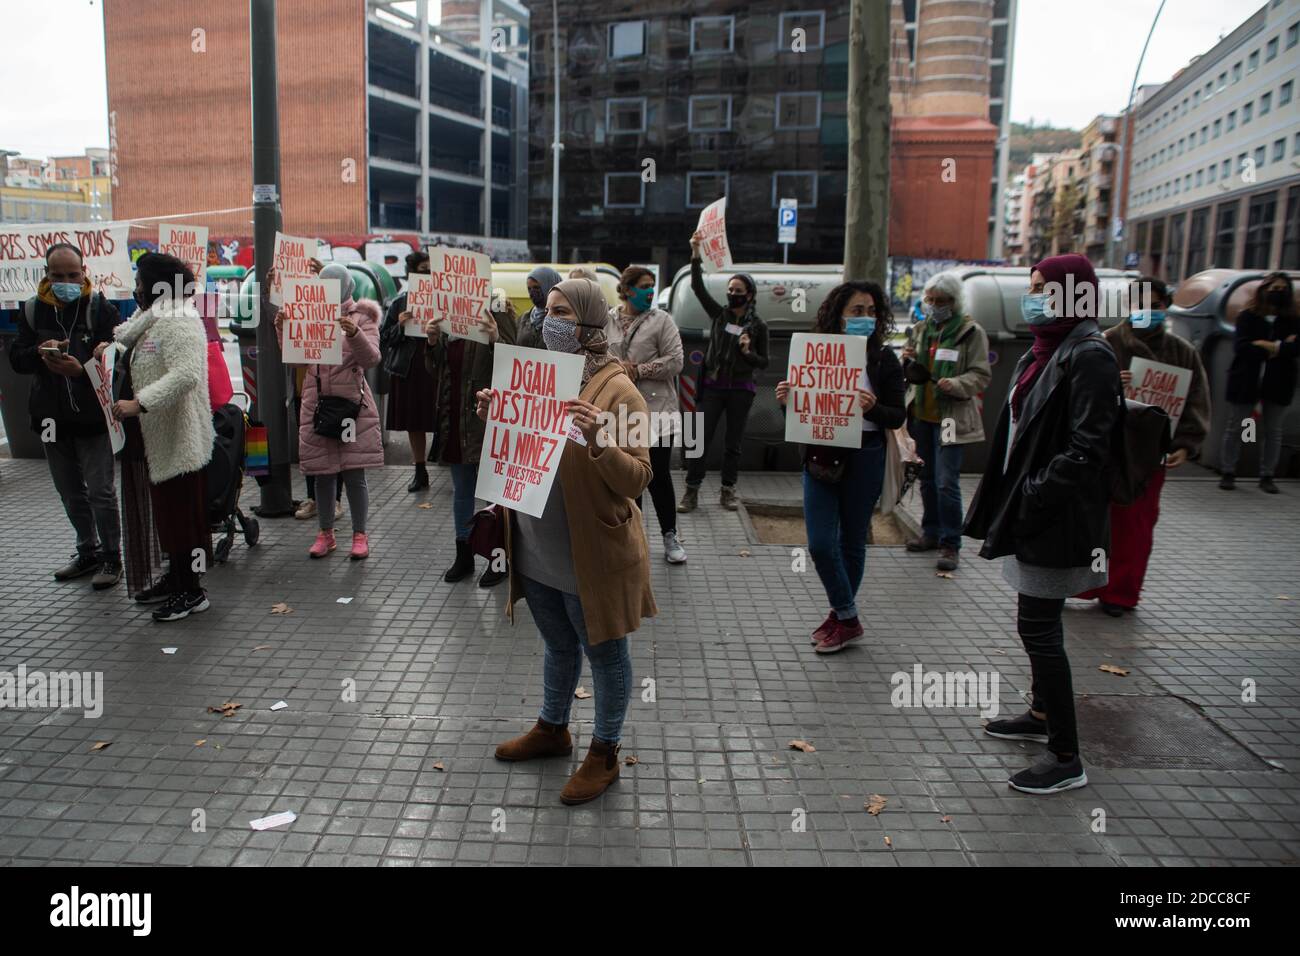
(556, 145)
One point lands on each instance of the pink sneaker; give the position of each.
(824, 629)
(842, 633)
(324, 544)
(360, 547)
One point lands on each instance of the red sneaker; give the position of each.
(360, 546)
(824, 629)
(324, 544)
(842, 633)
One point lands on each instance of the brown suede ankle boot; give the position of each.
(593, 778)
(544, 740)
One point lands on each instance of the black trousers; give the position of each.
(1039, 622)
(661, 487)
(716, 404)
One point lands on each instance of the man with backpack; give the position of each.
(57, 333)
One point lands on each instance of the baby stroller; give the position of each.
(225, 477)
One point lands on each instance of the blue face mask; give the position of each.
(1147, 318)
(859, 324)
(66, 291)
(1036, 309)
(641, 299)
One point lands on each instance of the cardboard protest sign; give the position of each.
(462, 283)
(825, 374)
(312, 334)
(1155, 383)
(528, 425)
(102, 245)
(99, 372)
(715, 254)
(189, 244)
(419, 302)
(291, 261)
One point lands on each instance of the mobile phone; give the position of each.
(53, 351)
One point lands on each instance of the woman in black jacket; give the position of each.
(1265, 342)
(1044, 501)
(411, 387)
(737, 349)
(841, 485)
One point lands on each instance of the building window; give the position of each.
(710, 114)
(626, 39)
(798, 185)
(1295, 147)
(1227, 170)
(1279, 150)
(1247, 113)
(1291, 231)
(1218, 127)
(1252, 62)
(1265, 104)
(1212, 173)
(1259, 230)
(1292, 35)
(1205, 134)
(713, 35)
(1225, 237)
(1284, 94)
(624, 191)
(1270, 51)
(1232, 121)
(813, 24)
(1259, 156)
(704, 188)
(1196, 240)
(1174, 250)
(1236, 72)
(1200, 178)
(1223, 82)
(625, 115)
(798, 110)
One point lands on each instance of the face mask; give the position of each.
(859, 324)
(938, 314)
(537, 298)
(66, 291)
(1278, 298)
(1147, 318)
(736, 300)
(1036, 309)
(560, 336)
(139, 300)
(642, 299)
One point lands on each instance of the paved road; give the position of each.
(440, 677)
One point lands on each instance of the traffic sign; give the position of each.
(787, 220)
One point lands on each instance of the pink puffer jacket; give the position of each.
(318, 455)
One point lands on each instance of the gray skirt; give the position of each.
(1049, 582)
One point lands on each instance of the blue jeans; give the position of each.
(940, 484)
(564, 631)
(838, 517)
(463, 480)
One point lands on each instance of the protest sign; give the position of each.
(715, 254)
(527, 426)
(189, 244)
(419, 302)
(99, 371)
(290, 261)
(462, 284)
(102, 245)
(312, 335)
(1154, 383)
(825, 374)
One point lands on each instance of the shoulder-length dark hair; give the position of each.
(161, 274)
(1260, 307)
(830, 315)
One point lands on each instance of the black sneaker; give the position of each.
(79, 566)
(490, 578)
(157, 593)
(1228, 481)
(182, 606)
(1266, 484)
(1024, 727)
(1114, 610)
(1051, 775)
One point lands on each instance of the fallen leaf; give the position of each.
(582, 693)
(262, 647)
(802, 745)
(225, 710)
(424, 506)
(943, 574)
(631, 760)
(875, 803)
(281, 608)
(945, 819)
(200, 743)
(439, 766)
(889, 843)
(1112, 669)
(100, 746)
(744, 553)
(1284, 597)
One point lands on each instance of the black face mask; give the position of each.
(139, 300)
(537, 298)
(736, 300)
(1277, 298)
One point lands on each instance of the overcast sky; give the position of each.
(1073, 60)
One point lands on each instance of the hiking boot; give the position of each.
(593, 778)
(181, 606)
(1228, 481)
(306, 510)
(109, 573)
(325, 543)
(490, 578)
(1266, 484)
(824, 628)
(360, 546)
(1024, 727)
(79, 566)
(728, 498)
(463, 566)
(420, 479)
(947, 559)
(674, 553)
(1051, 775)
(922, 544)
(841, 634)
(690, 500)
(544, 740)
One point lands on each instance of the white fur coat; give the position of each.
(169, 374)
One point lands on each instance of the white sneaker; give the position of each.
(306, 510)
(674, 553)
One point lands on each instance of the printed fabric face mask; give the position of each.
(938, 314)
(642, 299)
(1036, 308)
(859, 324)
(1147, 318)
(560, 336)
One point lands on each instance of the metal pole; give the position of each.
(866, 215)
(1121, 162)
(277, 490)
(422, 15)
(785, 253)
(556, 145)
(485, 45)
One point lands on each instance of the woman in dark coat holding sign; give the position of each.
(841, 485)
(583, 566)
(410, 387)
(1044, 501)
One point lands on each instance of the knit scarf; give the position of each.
(591, 312)
(933, 338)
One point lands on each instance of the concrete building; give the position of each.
(1216, 155)
(390, 117)
(57, 189)
(1013, 218)
(1098, 169)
